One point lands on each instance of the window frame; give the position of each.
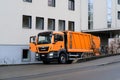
(118, 2)
(29, 24)
(90, 14)
(51, 3)
(71, 5)
(90, 24)
(53, 24)
(28, 55)
(41, 20)
(63, 25)
(30, 1)
(73, 27)
(118, 15)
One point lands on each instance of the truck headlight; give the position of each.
(36, 55)
(51, 55)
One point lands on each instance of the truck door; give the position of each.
(33, 44)
(58, 42)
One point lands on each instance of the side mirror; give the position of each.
(33, 39)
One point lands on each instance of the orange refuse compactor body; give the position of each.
(64, 46)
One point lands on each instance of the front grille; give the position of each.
(43, 48)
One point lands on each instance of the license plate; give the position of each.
(43, 55)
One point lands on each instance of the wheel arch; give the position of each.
(63, 51)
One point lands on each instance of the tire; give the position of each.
(46, 62)
(62, 58)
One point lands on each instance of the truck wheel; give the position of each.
(62, 58)
(46, 62)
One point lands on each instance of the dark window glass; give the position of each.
(27, 21)
(51, 24)
(51, 3)
(27, 0)
(118, 14)
(61, 26)
(119, 2)
(25, 54)
(71, 25)
(39, 23)
(71, 5)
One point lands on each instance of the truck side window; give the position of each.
(58, 37)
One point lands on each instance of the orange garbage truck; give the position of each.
(65, 47)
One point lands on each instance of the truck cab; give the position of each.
(47, 45)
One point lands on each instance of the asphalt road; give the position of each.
(101, 69)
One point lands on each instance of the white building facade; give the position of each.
(103, 19)
(22, 18)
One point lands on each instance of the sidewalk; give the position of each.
(35, 69)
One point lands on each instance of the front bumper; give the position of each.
(49, 56)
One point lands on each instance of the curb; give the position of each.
(96, 57)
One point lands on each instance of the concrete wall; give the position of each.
(84, 14)
(99, 14)
(12, 54)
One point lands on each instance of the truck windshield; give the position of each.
(44, 38)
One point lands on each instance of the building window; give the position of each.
(39, 23)
(90, 14)
(90, 24)
(25, 55)
(71, 5)
(51, 3)
(51, 24)
(71, 25)
(27, 21)
(118, 14)
(27, 0)
(61, 26)
(119, 2)
(109, 13)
